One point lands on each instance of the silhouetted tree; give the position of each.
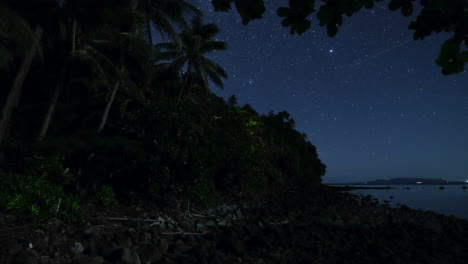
(14, 94)
(197, 42)
(162, 14)
(435, 16)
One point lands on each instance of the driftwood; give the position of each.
(184, 233)
(123, 219)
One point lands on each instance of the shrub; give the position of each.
(37, 196)
(40, 192)
(106, 197)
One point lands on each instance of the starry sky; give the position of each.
(371, 99)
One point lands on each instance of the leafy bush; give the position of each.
(204, 191)
(40, 192)
(38, 197)
(106, 197)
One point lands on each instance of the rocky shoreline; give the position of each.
(317, 226)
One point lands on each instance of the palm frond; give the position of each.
(209, 31)
(165, 27)
(214, 78)
(202, 75)
(166, 46)
(213, 66)
(213, 46)
(167, 55)
(86, 56)
(14, 32)
(191, 8)
(179, 63)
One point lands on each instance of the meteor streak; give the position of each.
(360, 61)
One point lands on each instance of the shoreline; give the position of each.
(289, 227)
(350, 188)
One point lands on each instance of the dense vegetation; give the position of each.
(93, 108)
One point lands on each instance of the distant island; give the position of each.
(405, 181)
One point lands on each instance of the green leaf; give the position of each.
(324, 15)
(221, 5)
(463, 56)
(356, 7)
(332, 30)
(282, 11)
(286, 22)
(250, 9)
(369, 4)
(303, 26)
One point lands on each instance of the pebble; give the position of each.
(77, 248)
(92, 231)
(163, 246)
(24, 257)
(88, 260)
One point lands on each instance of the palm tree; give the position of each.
(197, 41)
(14, 32)
(10, 21)
(124, 55)
(162, 14)
(92, 47)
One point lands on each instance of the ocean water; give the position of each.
(453, 200)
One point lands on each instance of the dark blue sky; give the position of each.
(371, 99)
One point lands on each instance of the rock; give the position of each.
(149, 253)
(168, 261)
(306, 258)
(44, 259)
(210, 223)
(181, 247)
(14, 247)
(90, 246)
(230, 242)
(106, 248)
(187, 259)
(121, 255)
(39, 234)
(136, 258)
(77, 248)
(145, 237)
(92, 231)
(202, 250)
(217, 258)
(123, 239)
(186, 225)
(24, 257)
(88, 260)
(163, 246)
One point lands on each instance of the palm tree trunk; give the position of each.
(181, 92)
(105, 115)
(15, 92)
(50, 111)
(74, 36)
(149, 35)
(58, 88)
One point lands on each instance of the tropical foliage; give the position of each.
(94, 109)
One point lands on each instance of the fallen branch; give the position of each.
(184, 233)
(124, 219)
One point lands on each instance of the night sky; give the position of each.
(371, 99)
